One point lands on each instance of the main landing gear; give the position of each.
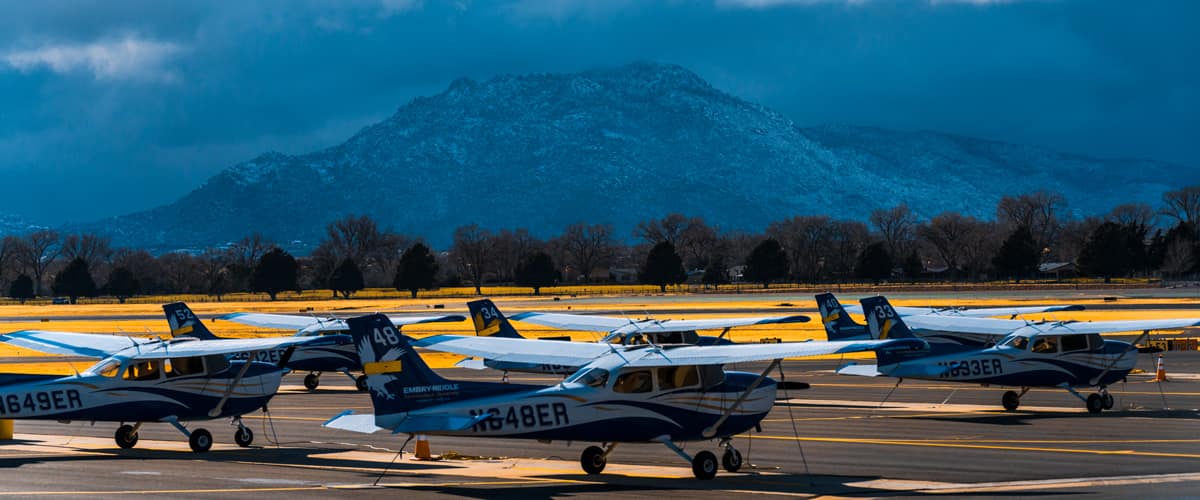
(704, 464)
(1096, 402)
(1011, 400)
(313, 380)
(200, 440)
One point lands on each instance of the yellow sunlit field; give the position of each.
(144, 318)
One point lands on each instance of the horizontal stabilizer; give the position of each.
(350, 421)
(860, 370)
(471, 364)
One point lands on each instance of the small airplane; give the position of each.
(621, 393)
(840, 326)
(143, 380)
(1061, 354)
(338, 356)
(490, 322)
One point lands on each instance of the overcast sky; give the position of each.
(108, 106)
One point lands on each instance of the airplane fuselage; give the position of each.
(1004, 365)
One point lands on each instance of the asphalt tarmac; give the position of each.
(838, 438)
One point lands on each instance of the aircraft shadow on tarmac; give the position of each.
(1020, 418)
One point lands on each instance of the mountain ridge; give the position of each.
(618, 145)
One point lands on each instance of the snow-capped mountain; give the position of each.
(13, 224)
(619, 145)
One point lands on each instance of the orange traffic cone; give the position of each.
(1160, 372)
(423, 448)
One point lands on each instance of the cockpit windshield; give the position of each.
(1016, 342)
(595, 377)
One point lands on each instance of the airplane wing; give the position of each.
(162, 350)
(742, 353)
(987, 326)
(92, 345)
(1067, 328)
(860, 370)
(610, 324)
(311, 325)
(982, 312)
(552, 352)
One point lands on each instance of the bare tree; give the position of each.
(950, 234)
(847, 239)
(806, 240)
(1183, 205)
(668, 229)
(145, 268)
(696, 243)
(897, 226)
(1135, 215)
(1074, 236)
(587, 247)
(181, 273)
(40, 250)
(472, 252)
(93, 249)
(10, 249)
(1037, 211)
(510, 247)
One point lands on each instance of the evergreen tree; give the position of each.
(715, 273)
(536, 270)
(1018, 256)
(874, 263)
(766, 263)
(121, 284)
(347, 278)
(75, 281)
(913, 267)
(416, 270)
(663, 267)
(21, 288)
(1111, 250)
(276, 272)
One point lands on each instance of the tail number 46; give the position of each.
(386, 336)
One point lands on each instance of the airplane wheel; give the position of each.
(243, 437)
(126, 437)
(361, 383)
(731, 460)
(1095, 403)
(200, 440)
(593, 460)
(704, 465)
(311, 381)
(1010, 400)
(1108, 401)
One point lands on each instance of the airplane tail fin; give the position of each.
(884, 323)
(397, 377)
(489, 321)
(838, 324)
(184, 323)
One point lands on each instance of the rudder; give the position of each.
(397, 377)
(837, 322)
(489, 321)
(184, 323)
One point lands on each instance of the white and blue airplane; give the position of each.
(621, 393)
(1062, 354)
(336, 356)
(490, 322)
(139, 380)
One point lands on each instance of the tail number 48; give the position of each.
(386, 336)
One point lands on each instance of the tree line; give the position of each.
(1028, 231)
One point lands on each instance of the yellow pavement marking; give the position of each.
(278, 417)
(940, 444)
(1034, 485)
(160, 492)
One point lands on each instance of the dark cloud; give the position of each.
(112, 106)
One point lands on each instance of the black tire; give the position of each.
(200, 440)
(593, 460)
(732, 460)
(243, 437)
(704, 465)
(126, 437)
(1095, 403)
(1109, 402)
(361, 383)
(1011, 400)
(312, 381)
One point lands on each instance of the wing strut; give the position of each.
(236, 380)
(712, 430)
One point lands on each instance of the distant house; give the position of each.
(1057, 270)
(622, 275)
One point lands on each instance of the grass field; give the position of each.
(130, 319)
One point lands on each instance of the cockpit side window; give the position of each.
(1072, 343)
(1095, 342)
(674, 377)
(217, 363)
(711, 375)
(178, 367)
(1046, 344)
(1018, 342)
(109, 369)
(636, 381)
(144, 370)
